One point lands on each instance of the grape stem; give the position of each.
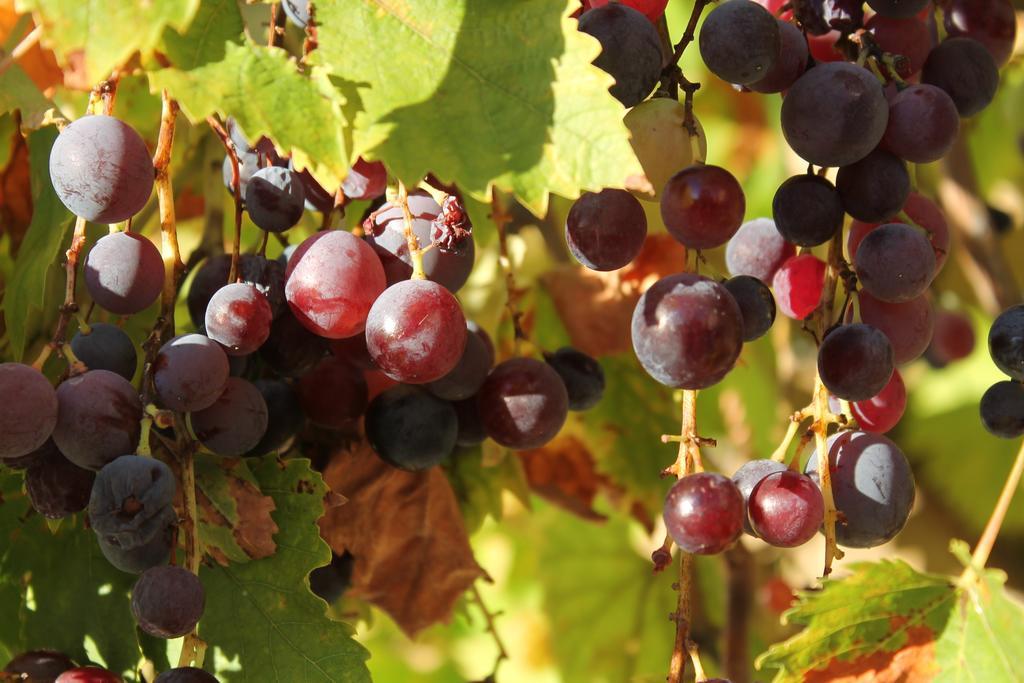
(19, 50)
(413, 242)
(236, 191)
(995, 522)
(489, 618)
(795, 420)
(501, 220)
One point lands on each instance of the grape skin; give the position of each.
(855, 361)
(786, 509)
(895, 263)
(1002, 409)
(186, 674)
(88, 674)
(98, 418)
(747, 477)
(416, 332)
(523, 404)
(30, 410)
(808, 210)
(874, 188)
(630, 50)
(925, 214)
(923, 124)
(908, 325)
(908, 37)
(739, 41)
(124, 273)
(131, 502)
(238, 317)
(966, 71)
(410, 429)
(284, 416)
(38, 665)
(798, 285)
(758, 250)
(466, 378)
(704, 513)
(333, 279)
(274, 198)
(267, 276)
(1006, 342)
(137, 559)
(790, 63)
(883, 411)
(101, 170)
(606, 230)
(687, 331)
(702, 206)
(190, 373)
(991, 22)
(333, 394)
(57, 487)
(757, 306)
(235, 422)
(106, 347)
(167, 602)
(582, 375)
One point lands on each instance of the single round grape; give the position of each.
(167, 602)
(155, 552)
(605, 230)
(786, 509)
(758, 250)
(687, 331)
(291, 350)
(266, 275)
(238, 317)
(57, 487)
(704, 513)
(30, 409)
(468, 375)
(923, 124)
(124, 273)
(835, 114)
(332, 580)
(1002, 409)
(236, 421)
(274, 198)
(808, 210)
(908, 324)
(106, 347)
(703, 206)
(747, 477)
(333, 279)
(88, 674)
(925, 214)
(1006, 342)
(908, 37)
(790, 63)
(966, 71)
(37, 666)
(872, 484)
(895, 262)
(883, 411)
(855, 361)
(897, 8)
(131, 501)
(190, 373)
(523, 404)
(411, 429)
(416, 331)
(991, 22)
(798, 285)
(98, 419)
(874, 188)
(740, 41)
(365, 180)
(188, 674)
(662, 144)
(952, 340)
(630, 50)
(333, 394)
(101, 170)
(582, 375)
(297, 12)
(284, 416)
(757, 306)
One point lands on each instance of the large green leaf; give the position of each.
(216, 23)
(481, 93)
(261, 619)
(108, 31)
(264, 91)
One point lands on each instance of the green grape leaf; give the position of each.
(479, 488)
(235, 521)
(481, 93)
(19, 93)
(261, 619)
(216, 23)
(265, 93)
(108, 33)
(38, 259)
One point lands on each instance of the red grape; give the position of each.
(38, 665)
(907, 324)
(703, 206)
(855, 361)
(704, 513)
(652, 9)
(925, 214)
(98, 418)
(739, 41)
(991, 22)
(88, 674)
(790, 64)
(365, 180)
(523, 403)
(798, 285)
(952, 339)
(239, 316)
(748, 476)
(897, 8)
(333, 394)
(883, 411)
(466, 378)
(236, 421)
(606, 230)
(1002, 409)
(30, 410)
(758, 250)
(895, 262)
(923, 124)
(190, 373)
(124, 273)
(908, 37)
(786, 509)
(57, 487)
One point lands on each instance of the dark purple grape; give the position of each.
(908, 324)
(238, 317)
(285, 417)
(875, 188)
(411, 429)
(687, 331)
(835, 114)
(924, 213)
(124, 273)
(106, 347)
(190, 373)
(606, 230)
(855, 361)
(1006, 342)
(57, 487)
(523, 404)
(872, 484)
(25, 461)
(291, 350)
(895, 262)
(991, 22)
(333, 394)
(966, 71)
(137, 559)
(190, 674)
(316, 197)
(416, 331)
(1002, 409)
(274, 198)
(30, 410)
(923, 124)
(101, 170)
(471, 426)
(703, 206)
(98, 419)
(131, 501)
(630, 50)
(758, 250)
(38, 666)
(332, 580)
(167, 602)
(704, 513)
(748, 476)
(739, 41)
(786, 509)
(365, 180)
(757, 306)
(236, 421)
(582, 374)
(466, 378)
(267, 276)
(789, 65)
(897, 8)
(808, 210)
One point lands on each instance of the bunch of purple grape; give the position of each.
(39, 666)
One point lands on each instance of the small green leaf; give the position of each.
(19, 93)
(217, 22)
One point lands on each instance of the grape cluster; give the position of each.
(49, 666)
(1002, 406)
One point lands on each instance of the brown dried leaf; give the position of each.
(255, 528)
(16, 193)
(411, 549)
